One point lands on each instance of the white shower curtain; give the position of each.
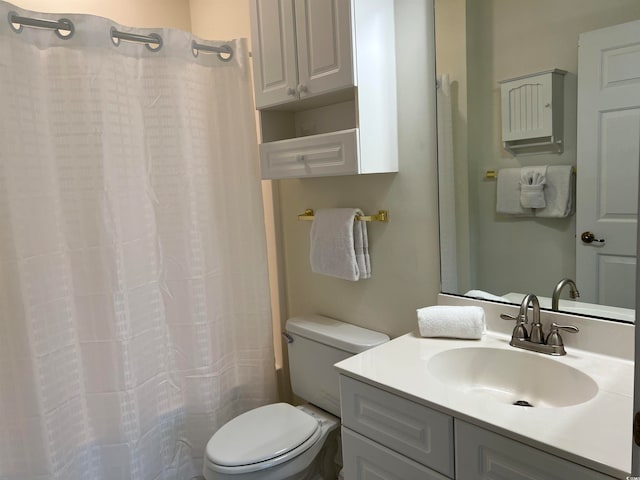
(446, 189)
(134, 308)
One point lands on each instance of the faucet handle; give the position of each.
(519, 331)
(567, 328)
(554, 337)
(517, 318)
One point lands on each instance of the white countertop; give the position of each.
(596, 434)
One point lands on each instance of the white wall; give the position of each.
(404, 252)
(220, 19)
(138, 13)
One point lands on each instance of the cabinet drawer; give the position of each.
(413, 430)
(489, 456)
(334, 153)
(364, 459)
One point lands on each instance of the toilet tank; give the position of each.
(319, 343)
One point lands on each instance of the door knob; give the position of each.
(588, 237)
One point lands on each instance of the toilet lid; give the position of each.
(260, 435)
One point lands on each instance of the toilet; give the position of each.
(280, 441)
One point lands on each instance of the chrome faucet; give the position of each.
(535, 341)
(573, 292)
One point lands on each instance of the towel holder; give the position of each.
(382, 216)
(493, 174)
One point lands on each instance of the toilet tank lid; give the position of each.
(341, 335)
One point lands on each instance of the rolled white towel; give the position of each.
(450, 321)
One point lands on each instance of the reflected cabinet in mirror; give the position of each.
(538, 151)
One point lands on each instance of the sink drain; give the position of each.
(522, 403)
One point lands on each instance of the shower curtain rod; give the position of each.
(67, 25)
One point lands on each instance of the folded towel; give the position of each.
(508, 193)
(559, 192)
(532, 182)
(449, 321)
(481, 294)
(339, 244)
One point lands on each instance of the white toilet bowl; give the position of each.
(274, 442)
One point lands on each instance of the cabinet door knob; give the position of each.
(302, 88)
(291, 91)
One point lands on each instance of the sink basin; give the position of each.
(513, 377)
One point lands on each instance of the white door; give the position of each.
(323, 32)
(273, 41)
(608, 157)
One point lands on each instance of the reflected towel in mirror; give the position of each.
(481, 294)
(532, 184)
(508, 193)
(559, 192)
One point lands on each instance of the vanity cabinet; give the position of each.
(379, 425)
(325, 86)
(385, 436)
(489, 456)
(365, 459)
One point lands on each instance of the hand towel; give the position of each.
(481, 294)
(508, 193)
(532, 183)
(559, 192)
(339, 244)
(453, 322)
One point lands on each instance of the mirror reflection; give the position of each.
(544, 94)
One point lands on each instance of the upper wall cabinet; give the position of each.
(301, 48)
(532, 113)
(325, 85)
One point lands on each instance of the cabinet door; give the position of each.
(483, 455)
(365, 459)
(413, 430)
(323, 32)
(273, 40)
(527, 108)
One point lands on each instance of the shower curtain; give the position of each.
(446, 188)
(134, 308)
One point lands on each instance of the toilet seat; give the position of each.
(262, 438)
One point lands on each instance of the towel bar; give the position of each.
(493, 174)
(382, 216)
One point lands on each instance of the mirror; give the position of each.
(501, 257)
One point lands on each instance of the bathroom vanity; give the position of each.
(443, 408)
